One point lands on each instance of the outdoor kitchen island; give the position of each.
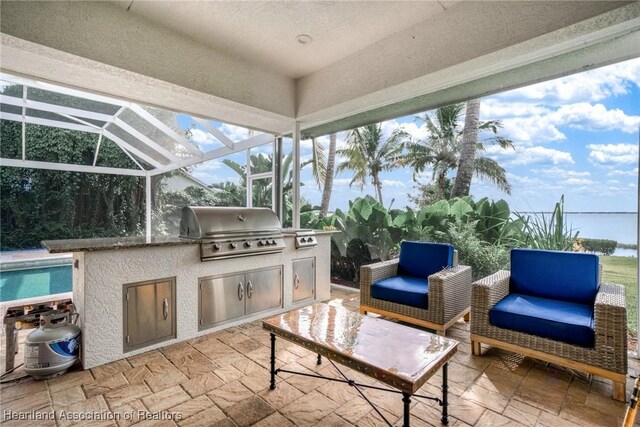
(134, 295)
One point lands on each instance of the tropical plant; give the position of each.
(368, 155)
(441, 149)
(542, 232)
(168, 207)
(468, 148)
(45, 204)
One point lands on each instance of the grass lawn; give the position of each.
(623, 271)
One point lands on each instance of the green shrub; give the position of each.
(600, 246)
(484, 258)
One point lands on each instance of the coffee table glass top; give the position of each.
(405, 352)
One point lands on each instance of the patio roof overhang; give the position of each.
(240, 63)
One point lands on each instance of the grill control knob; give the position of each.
(247, 244)
(233, 245)
(216, 246)
(272, 242)
(261, 243)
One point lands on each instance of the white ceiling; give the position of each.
(264, 32)
(238, 62)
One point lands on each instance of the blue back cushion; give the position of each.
(422, 259)
(565, 276)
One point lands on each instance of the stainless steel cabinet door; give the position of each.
(304, 278)
(264, 289)
(149, 313)
(220, 299)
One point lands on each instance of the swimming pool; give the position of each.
(34, 282)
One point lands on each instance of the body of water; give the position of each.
(621, 227)
(34, 282)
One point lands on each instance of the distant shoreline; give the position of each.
(580, 213)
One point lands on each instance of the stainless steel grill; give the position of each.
(229, 232)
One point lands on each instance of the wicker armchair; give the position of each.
(606, 353)
(449, 294)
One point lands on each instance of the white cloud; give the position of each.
(633, 172)
(525, 181)
(203, 138)
(209, 165)
(533, 128)
(341, 181)
(613, 153)
(393, 183)
(494, 108)
(593, 85)
(531, 155)
(545, 126)
(562, 173)
(595, 117)
(577, 181)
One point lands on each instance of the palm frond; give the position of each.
(490, 170)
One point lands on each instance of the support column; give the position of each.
(277, 179)
(638, 255)
(147, 201)
(296, 176)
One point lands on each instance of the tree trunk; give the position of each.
(464, 174)
(328, 180)
(378, 185)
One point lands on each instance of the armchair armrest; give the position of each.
(381, 270)
(450, 289)
(491, 289)
(485, 293)
(372, 273)
(610, 325)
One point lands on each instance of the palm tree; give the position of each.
(464, 174)
(368, 155)
(442, 148)
(328, 179)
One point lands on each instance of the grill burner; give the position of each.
(230, 232)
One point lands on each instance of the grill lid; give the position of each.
(203, 222)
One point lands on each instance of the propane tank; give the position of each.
(52, 348)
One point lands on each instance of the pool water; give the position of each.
(34, 282)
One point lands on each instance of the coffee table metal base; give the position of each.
(406, 397)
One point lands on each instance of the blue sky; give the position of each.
(577, 136)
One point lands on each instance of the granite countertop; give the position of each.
(108, 243)
(289, 232)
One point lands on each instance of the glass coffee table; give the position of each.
(397, 355)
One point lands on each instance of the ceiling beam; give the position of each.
(47, 122)
(254, 141)
(15, 163)
(217, 133)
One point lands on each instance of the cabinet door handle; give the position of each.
(165, 308)
(296, 281)
(249, 289)
(240, 291)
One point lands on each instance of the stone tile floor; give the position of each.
(221, 379)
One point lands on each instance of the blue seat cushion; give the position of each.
(403, 290)
(422, 259)
(557, 320)
(565, 276)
